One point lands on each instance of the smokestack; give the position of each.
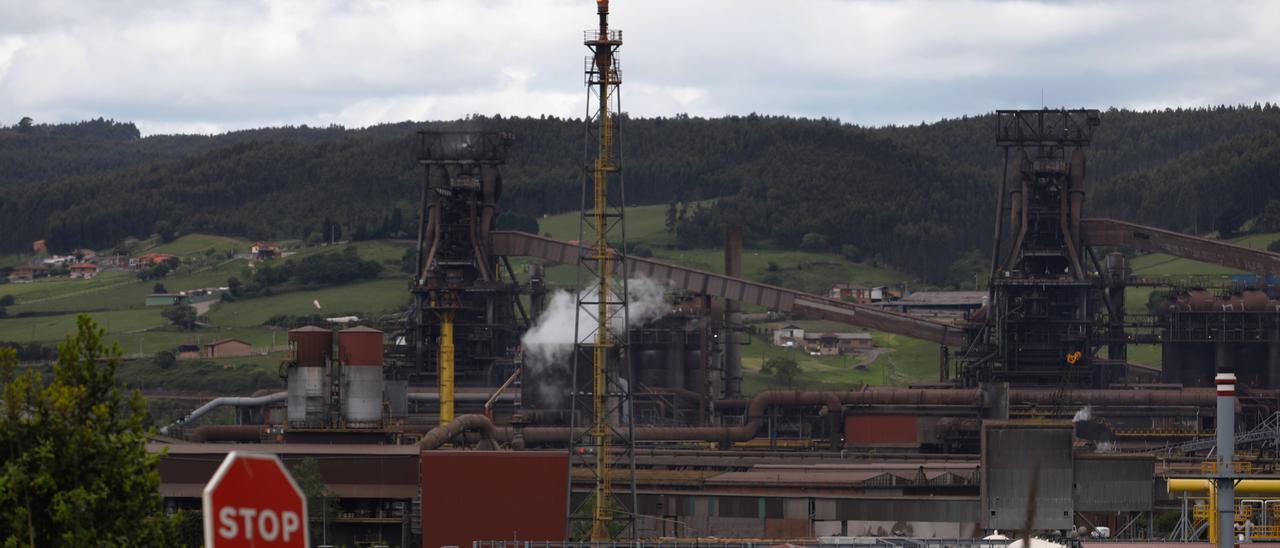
(732, 316)
(1226, 454)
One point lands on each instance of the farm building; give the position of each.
(166, 299)
(227, 348)
(86, 271)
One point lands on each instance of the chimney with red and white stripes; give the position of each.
(1226, 455)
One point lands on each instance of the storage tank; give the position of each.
(360, 353)
(1254, 300)
(306, 396)
(312, 348)
(1203, 301)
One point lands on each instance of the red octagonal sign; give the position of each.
(253, 501)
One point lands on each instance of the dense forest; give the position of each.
(921, 197)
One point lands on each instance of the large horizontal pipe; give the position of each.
(236, 401)
(441, 435)
(1248, 487)
(972, 397)
(835, 402)
(468, 397)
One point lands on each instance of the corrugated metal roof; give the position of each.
(343, 490)
(284, 448)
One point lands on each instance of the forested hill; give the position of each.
(920, 197)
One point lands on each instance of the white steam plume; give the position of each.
(548, 345)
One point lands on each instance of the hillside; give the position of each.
(919, 198)
(45, 310)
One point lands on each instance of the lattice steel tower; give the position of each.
(601, 325)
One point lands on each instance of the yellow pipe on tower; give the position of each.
(1244, 488)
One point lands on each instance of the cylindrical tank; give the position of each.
(360, 352)
(362, 399)
(360, 346)
(1232, 303)
(1116, 267)
(1254, 300)
(306, 396)
(312, 345)
(1202, 301)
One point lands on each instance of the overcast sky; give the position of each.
(212, 66)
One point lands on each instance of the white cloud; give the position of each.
(209, 65)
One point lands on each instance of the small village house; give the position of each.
(862, 294)
(187, 351)
(822, 343)
(263, 250)
(27, 273)
(84, 271)
(153, 259)
(227, 348)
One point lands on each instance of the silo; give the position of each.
(312, 348)
(360, 353)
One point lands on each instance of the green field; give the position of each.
(46, 310)
(115, 299)
(902, 361)
(646, 224)
(198, 244)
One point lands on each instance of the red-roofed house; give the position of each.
(87, 271)
(152, 259)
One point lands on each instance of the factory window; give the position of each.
(738, 507)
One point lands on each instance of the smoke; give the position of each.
(548, 345)
(1085, 413)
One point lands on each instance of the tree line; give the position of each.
(920, 198)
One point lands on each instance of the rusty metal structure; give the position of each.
(466, 318)
(1043, 322)
(1054, 306)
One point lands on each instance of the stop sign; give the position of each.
(253, 501)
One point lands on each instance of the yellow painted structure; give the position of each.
(446, 367)
(1245, 489)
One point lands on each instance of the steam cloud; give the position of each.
(548, 345)
(1085, 413)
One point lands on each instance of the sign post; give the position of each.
(252, 501)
